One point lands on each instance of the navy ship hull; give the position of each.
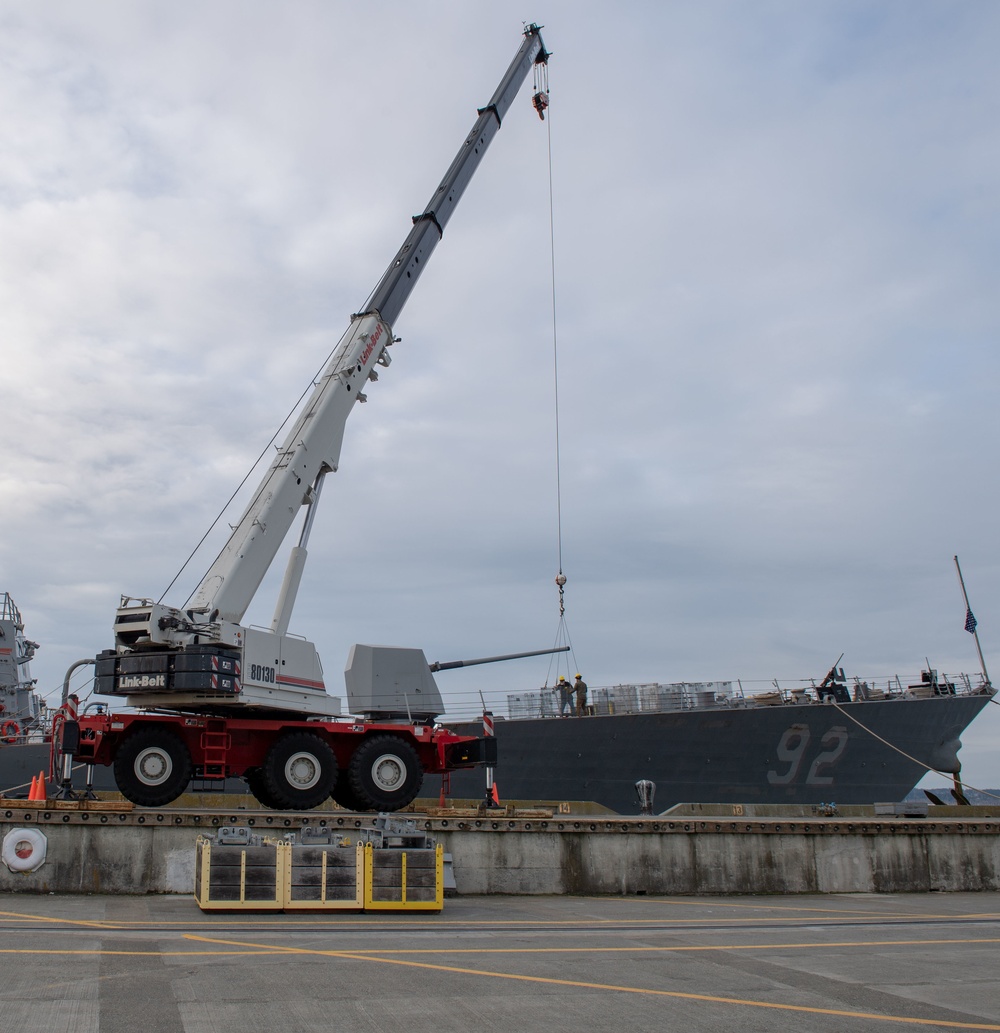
(806, 753)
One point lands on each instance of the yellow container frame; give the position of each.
(363, 898)
(325, 903)
(203, 881)
(402, 904)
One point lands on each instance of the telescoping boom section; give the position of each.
(227, 679)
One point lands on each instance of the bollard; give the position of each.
(645, 790)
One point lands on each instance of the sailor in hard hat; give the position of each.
(565, 691)
(580, 688)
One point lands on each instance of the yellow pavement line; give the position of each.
(668, 949)
(98, 951)
(820, 910)
(431, 921)
(369, 952)
(580, 984)
(88, 923)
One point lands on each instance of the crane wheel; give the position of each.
(254, 778)
(385, 773)
(344, 794)
(299, 772)
(152, 767)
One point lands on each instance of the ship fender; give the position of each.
(24, 850)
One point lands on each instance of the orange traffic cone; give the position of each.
(42, 794)
(495, 796)
(33, 791)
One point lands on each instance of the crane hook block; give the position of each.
(540, 100)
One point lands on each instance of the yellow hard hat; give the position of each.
(562, 677)
(578, 675)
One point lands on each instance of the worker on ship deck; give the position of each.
(580, 688)
(565, 691)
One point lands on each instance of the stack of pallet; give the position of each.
(391, 867)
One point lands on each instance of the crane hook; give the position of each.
(561, 582)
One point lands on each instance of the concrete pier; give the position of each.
(116, 850)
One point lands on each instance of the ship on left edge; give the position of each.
(24, 718)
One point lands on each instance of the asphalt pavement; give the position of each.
(158, 964)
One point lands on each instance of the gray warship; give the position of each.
(829, 743)
(24, 718)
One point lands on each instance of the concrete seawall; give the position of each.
(152, 851)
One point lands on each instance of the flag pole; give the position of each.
(970, 622)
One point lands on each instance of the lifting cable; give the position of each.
(540, 101)
(959, 784)
(246, 477)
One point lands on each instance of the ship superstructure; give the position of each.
(21, 712)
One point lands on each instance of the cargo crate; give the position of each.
(404, 879)
(239, 875)
(324, 877)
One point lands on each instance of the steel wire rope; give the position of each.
(562, 631)
(291, 412)
(926, 767)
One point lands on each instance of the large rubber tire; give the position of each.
(299, 772)
(254, 779)
(152, 767)
(385, 773)
(344, 794)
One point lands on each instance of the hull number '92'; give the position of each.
(260, 673)
(792, 751)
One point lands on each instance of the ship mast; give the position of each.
(971, 622)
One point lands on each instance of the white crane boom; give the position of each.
(273, 669)
(312, 447)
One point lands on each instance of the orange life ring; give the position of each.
(10, 731)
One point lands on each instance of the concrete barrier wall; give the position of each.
(108, 859)
(687, 864)
(624, 858)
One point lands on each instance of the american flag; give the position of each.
(970, 621)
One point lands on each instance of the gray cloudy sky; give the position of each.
(776, 232)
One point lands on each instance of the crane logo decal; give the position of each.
(366, 354)
(142, 681)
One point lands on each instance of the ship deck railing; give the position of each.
(8, 611)
(656, 698)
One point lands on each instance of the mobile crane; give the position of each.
(216, 699)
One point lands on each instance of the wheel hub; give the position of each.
(153, 766)
(302, 770)
(388, 772)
